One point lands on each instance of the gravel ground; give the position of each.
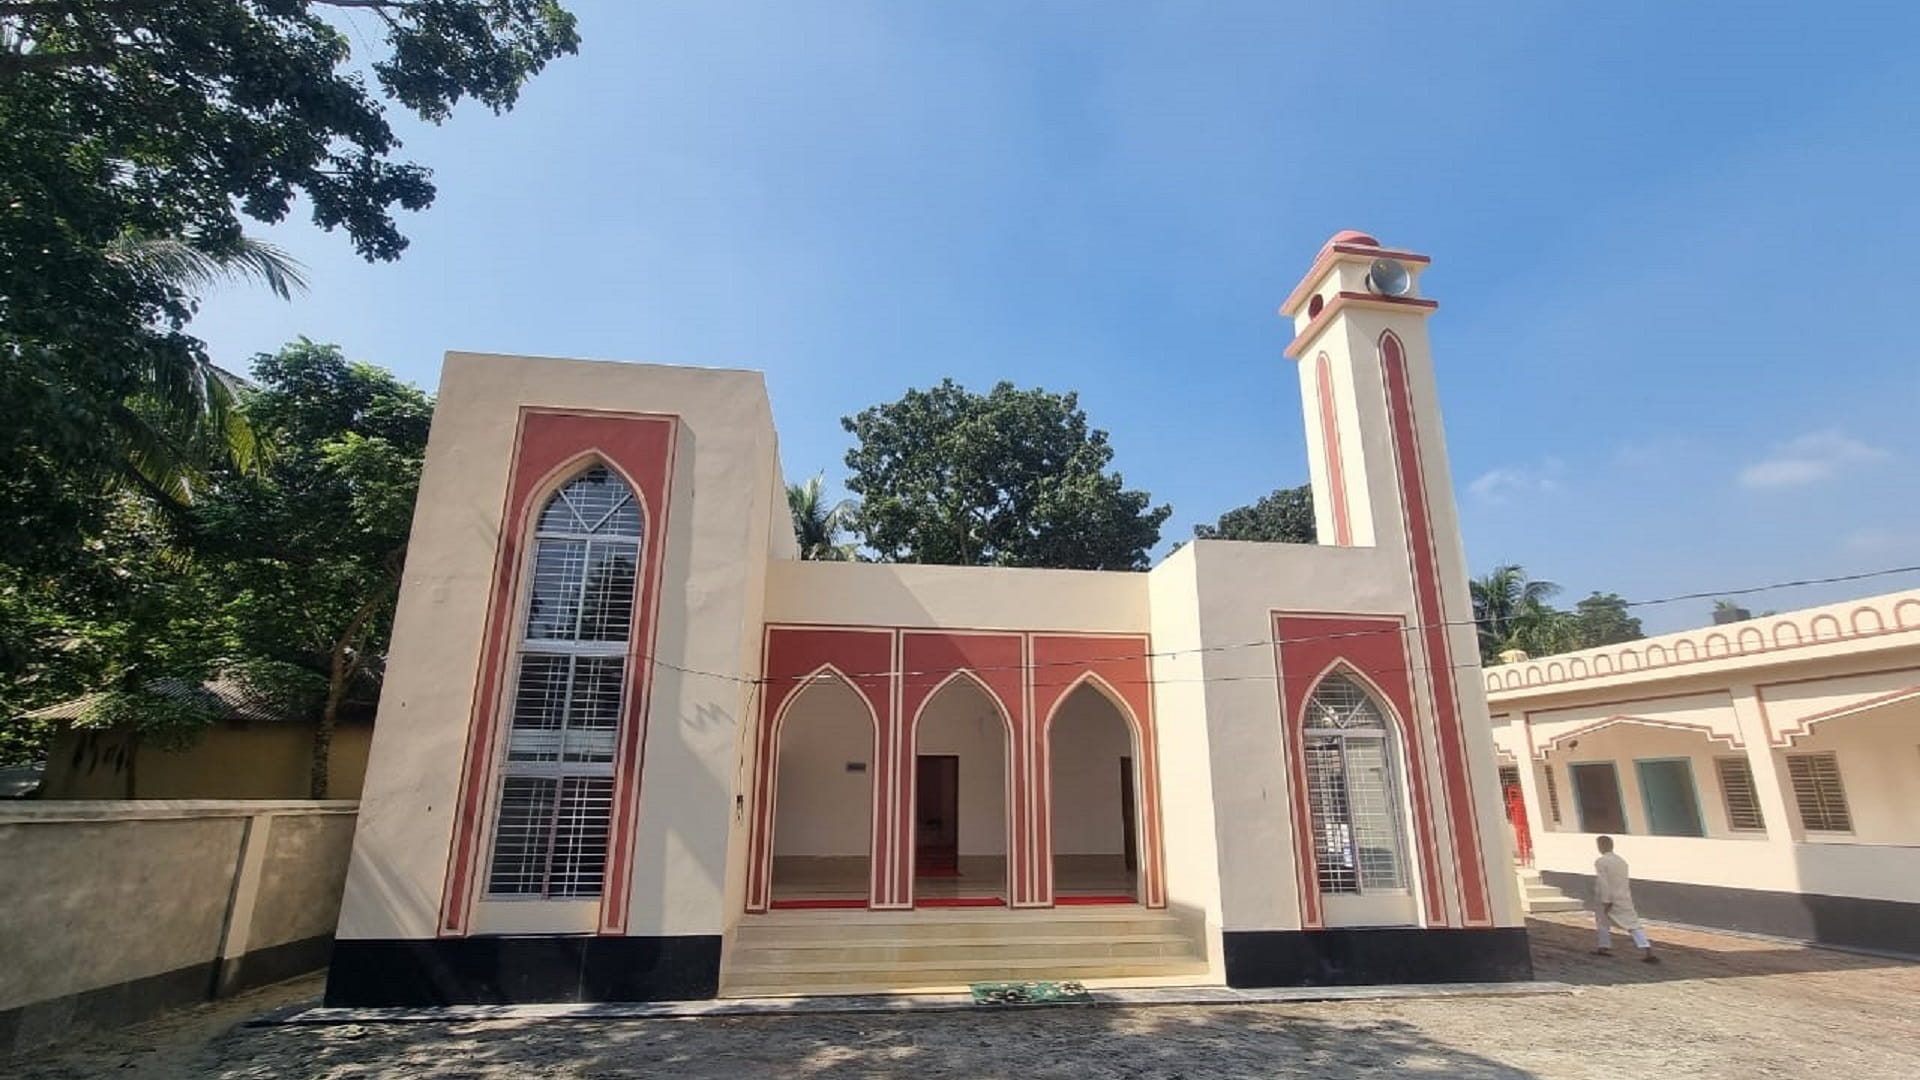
(1719, 1007)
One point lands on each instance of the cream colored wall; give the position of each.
(875, 594)
(1087, 740)
(819, 807)
(231, 760)
(104, 893)
(1190, 837)
(1763, 696)
(1879, 758)
(960, 719)
(709, 618)
(1625, 744)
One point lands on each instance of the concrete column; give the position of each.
(247, 872)
(1769, 781)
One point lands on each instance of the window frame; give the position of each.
(1553, 792)
(1840, 787)
(1646, 796)
(1386, 737)
(1741, 761)
(523, 645)
(1619, 795)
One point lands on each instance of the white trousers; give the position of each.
(1628, 920)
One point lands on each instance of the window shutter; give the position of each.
(1737, 791)
(1553, 795)
(1818, 793)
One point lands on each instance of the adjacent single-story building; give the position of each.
(249, 750)
(1761, 776)
(630, 747)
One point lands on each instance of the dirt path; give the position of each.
(1719, 1007)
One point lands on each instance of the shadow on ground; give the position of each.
(1073, 1041)
(1563, 952)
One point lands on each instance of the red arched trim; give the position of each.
(864, 660)
(764, 838)
(1150, 875)
(550, 446)
(1014, 788)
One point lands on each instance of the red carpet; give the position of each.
(961, 901)
(1070, 901)
(812, 905)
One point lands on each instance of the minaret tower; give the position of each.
(1380, 479)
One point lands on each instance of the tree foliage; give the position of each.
(1007, 478)
(138, 135)
(1284, 516)
(311, 547)
(1514, 611)
(818, 525)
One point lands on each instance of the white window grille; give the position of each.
(1352, 792)
(1737, 791)
(1553, 794)
(1818, 793)
(556, 791)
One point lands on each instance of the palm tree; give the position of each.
(1511, 611)
(816, 525)
(183, 418)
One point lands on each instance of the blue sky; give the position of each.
(1673, 246)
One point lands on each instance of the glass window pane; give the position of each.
(1332, 817)
(1376, 819)
(580, 836)
(553, 599)
(520, 841)
(607, 605)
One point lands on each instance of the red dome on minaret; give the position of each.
(1353, 236)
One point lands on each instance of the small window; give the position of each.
(1596, 795)
(1553, 794)
(1818, 793)
(1737, 791)
(1352, 791)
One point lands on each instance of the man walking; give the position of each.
(1613, 903)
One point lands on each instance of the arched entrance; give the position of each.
(962, 743)
(823, 797)
(1094, 791)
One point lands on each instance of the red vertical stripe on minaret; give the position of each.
(1430, 610)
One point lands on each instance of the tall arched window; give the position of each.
(556, 791)
(1352, 791)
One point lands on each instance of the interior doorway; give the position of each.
(936, 815)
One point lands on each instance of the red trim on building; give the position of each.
(550, 447)
(1120, 667)
(1330, 442)
(793, 658)
(1341, 301)
(929, 660)
(1373, 649)
(1431, 614)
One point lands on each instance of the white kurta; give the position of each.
(1610, 886)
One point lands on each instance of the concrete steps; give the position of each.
(1537, 896)
(849, 952)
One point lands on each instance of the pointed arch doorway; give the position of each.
(1094, 794)
(961, 796)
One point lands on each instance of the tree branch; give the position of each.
(35, 63)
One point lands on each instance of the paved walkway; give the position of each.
(1719, 1007)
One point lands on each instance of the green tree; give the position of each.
(1512, 611)
(816, 525)
(1283, 517)
(1007, 478)
(1603, 620)
(312, 546)
(168, 123)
